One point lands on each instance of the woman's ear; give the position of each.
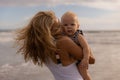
(62, 28)
(78, 26)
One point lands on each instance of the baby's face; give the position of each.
(70, 25)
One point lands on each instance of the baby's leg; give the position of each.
(84, 73)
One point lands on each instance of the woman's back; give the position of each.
(61, 72)
(67, 69)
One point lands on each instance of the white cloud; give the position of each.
(110, 21)
(103, 4)
(26, 2)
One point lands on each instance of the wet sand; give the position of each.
(107, 62)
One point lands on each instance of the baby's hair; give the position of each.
(35, 40)
(69, 14)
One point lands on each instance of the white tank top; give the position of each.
(60, 72)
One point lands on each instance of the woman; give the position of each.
(42, 42)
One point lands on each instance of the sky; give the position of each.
(93, 14)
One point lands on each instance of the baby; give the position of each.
(70, 26)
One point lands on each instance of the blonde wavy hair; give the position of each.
(35, 40)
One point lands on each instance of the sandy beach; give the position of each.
(105, 48)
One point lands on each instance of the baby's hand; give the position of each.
(84, 63)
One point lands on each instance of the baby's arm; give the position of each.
(86, 50)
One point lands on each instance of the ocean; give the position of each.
(104, 44)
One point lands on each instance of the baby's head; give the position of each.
(70, 23)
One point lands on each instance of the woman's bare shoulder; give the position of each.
(64, 40)
(66, 44)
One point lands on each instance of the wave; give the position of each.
(93, 37)
(24, 71)
(109, 37)
(6, 37)
(22, 67)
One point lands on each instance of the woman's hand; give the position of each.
(84, 63)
